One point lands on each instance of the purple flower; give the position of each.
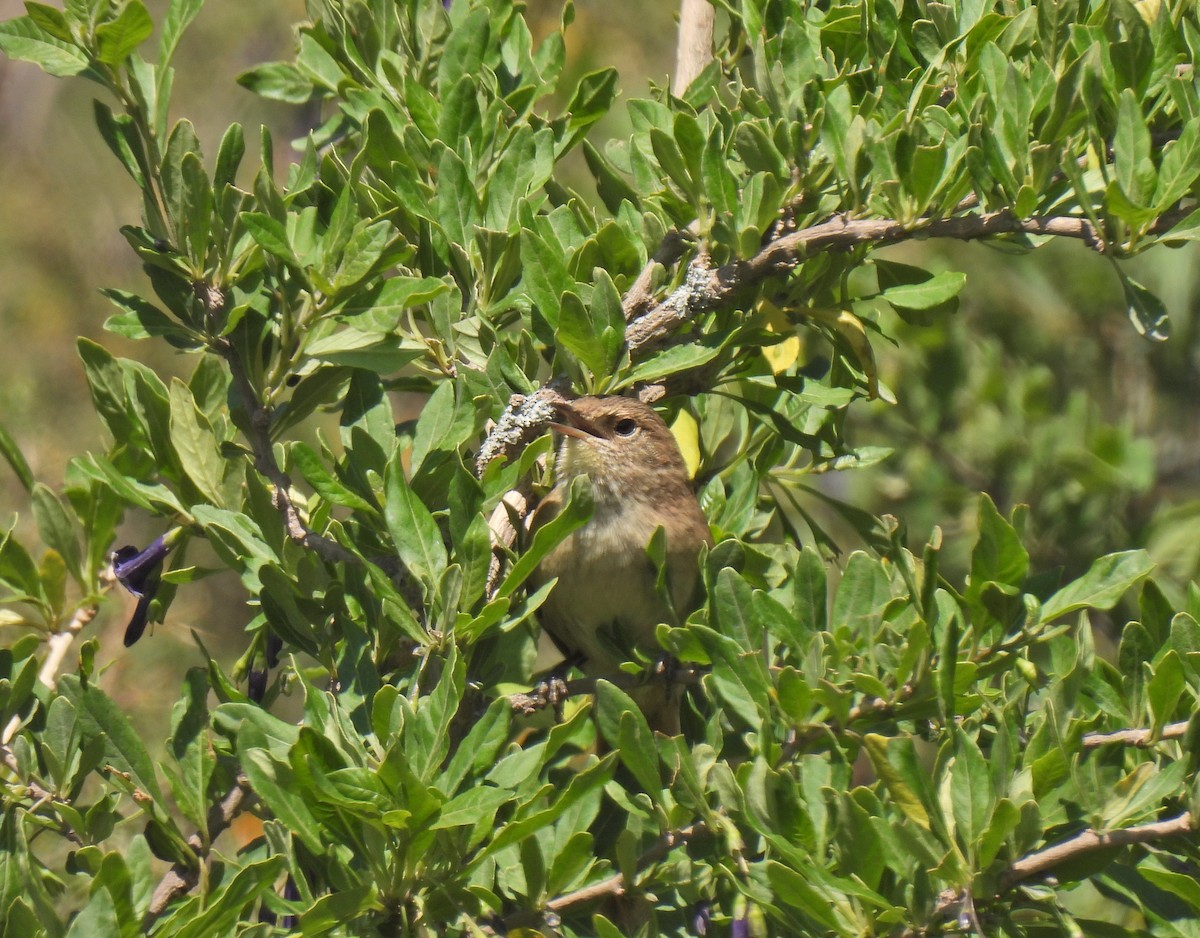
(140, 572)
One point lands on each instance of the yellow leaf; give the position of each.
(782, 356)
(687, 435)
(1149, 10)
(854, 333)
(902, 794)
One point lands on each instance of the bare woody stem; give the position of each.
(258, 433)
(615, 885)
(1090, 841)
(1141, 738)
(712, 288)
(57, 647)
(181, 878)
(1037, 863)
(694, 49)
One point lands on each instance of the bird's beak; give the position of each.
(573, 423)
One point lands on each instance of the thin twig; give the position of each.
(615, 885)
(57, 647)
(1090, 841)
(1142, 738)
(181, 877)
(258, 434)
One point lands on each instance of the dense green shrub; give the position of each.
(869, 748)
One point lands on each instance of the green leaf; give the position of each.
(1135, 171)
(861, 595)
(97, 919)
(672, 361)
(1135, 647)
(115, 40)
(1180, 167)
(22, 38)
(733, 613)
(456, 205)
(810, 591)
(574, 514)
(1106, 582)
(998, 555)
(466, 809)
(338, 908)
(303, 457)
(366, 351)
(13, 456)
(196, 444)
(100, 717)
(270, 235)
(739, 675)
(17, 569)
(1165, 689)
(578, 334)
(236, 538)
(278, 81)
(895, 761)
(544, 274)
(195, 207)
(50, 19)
(621, 723)
(972, 791)
(362, 252)
(121, 135)
(57, 529)
(931, 293)
(141, 320)
(466, 45)
(593, 97)
(416, 535)
(394, 296)
(1145, 310)
(792, 888)
(1182, 885)
(667, 152)
(226, 904)
(275, 783)
(445, 424)
(180, 14)
(229, 157)
(152, 497)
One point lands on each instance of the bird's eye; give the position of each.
(626, 427)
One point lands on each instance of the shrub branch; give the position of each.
(717, 286)
(1090, 841)
(182, 878)
(1141, 738)
(258, 434)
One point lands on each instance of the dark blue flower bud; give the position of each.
(139, 571)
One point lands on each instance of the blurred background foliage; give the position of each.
(1037, 391)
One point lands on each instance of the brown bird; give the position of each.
(606, 600)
